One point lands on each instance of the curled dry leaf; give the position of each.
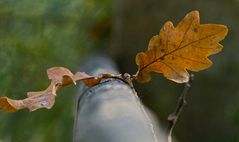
(178, 49)
(59, 77)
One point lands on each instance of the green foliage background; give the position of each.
(36, 35)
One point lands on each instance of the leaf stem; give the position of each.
(173, 117)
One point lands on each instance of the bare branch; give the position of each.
(172, 118)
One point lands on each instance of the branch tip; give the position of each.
(173, 117)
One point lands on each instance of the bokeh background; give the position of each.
(36, 35)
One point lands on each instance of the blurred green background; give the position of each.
(36, 35)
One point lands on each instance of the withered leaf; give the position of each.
(35, 100)
(59, 77)
(178, 49)
(96, 80)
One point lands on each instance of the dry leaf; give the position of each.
(96, 80)
(35, 100)
(59, 77)
(178, 49)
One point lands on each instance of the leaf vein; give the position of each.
(189, 59)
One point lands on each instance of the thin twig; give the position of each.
(172, 118)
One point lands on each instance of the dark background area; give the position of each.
(36, 35)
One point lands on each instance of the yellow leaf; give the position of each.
(178, 49)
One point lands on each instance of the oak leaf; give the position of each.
(59, 77)
(178, 49)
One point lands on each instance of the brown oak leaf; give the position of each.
(178, 49)
(59, 77)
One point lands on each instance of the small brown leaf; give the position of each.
(96, 80)
(35, 100)
(59, 77)
(82, 76)
(10, 105)
(178, 49)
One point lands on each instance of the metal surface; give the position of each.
(112, 112)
